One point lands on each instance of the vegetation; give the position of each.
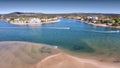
(108, 19)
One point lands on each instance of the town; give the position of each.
(28, 19)
(99, 20)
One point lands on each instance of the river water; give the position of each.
(68, 34)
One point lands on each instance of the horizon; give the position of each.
(59, 7)
(59, 13)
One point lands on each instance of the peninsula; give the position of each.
(98, 19)
(20, 18)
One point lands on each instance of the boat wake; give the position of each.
(117, 31)
(61, 28)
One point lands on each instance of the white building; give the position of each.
(34, 20)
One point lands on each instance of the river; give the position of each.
(69, 34)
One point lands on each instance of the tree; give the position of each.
(111, 21)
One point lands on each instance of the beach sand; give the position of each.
(101, 25)
(34, 24)
(16, 54)
(63, 60)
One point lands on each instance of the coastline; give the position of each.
(101, 25)
(82, 62)
(59, 57)
(15, 23)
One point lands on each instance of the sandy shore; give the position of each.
(101, 25)
(63, 60)
(16, 54)
(15, 23)
(51, 21)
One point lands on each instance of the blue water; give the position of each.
(68, 34)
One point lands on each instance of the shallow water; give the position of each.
(69, 34)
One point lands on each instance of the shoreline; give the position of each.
(101, 25)
(62, 53)
(92, 56)
(35, 23)
(80, 61)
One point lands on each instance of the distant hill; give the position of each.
(15, 14)
(33, 13)
(24, 13)
(44, 15)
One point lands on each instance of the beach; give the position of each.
(16, 23)
(62, 60)
(101, 25)
(20, 55)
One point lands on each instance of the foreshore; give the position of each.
(15, 23)
(18, 50)
(101, 25)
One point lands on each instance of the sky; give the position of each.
(60, 6)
